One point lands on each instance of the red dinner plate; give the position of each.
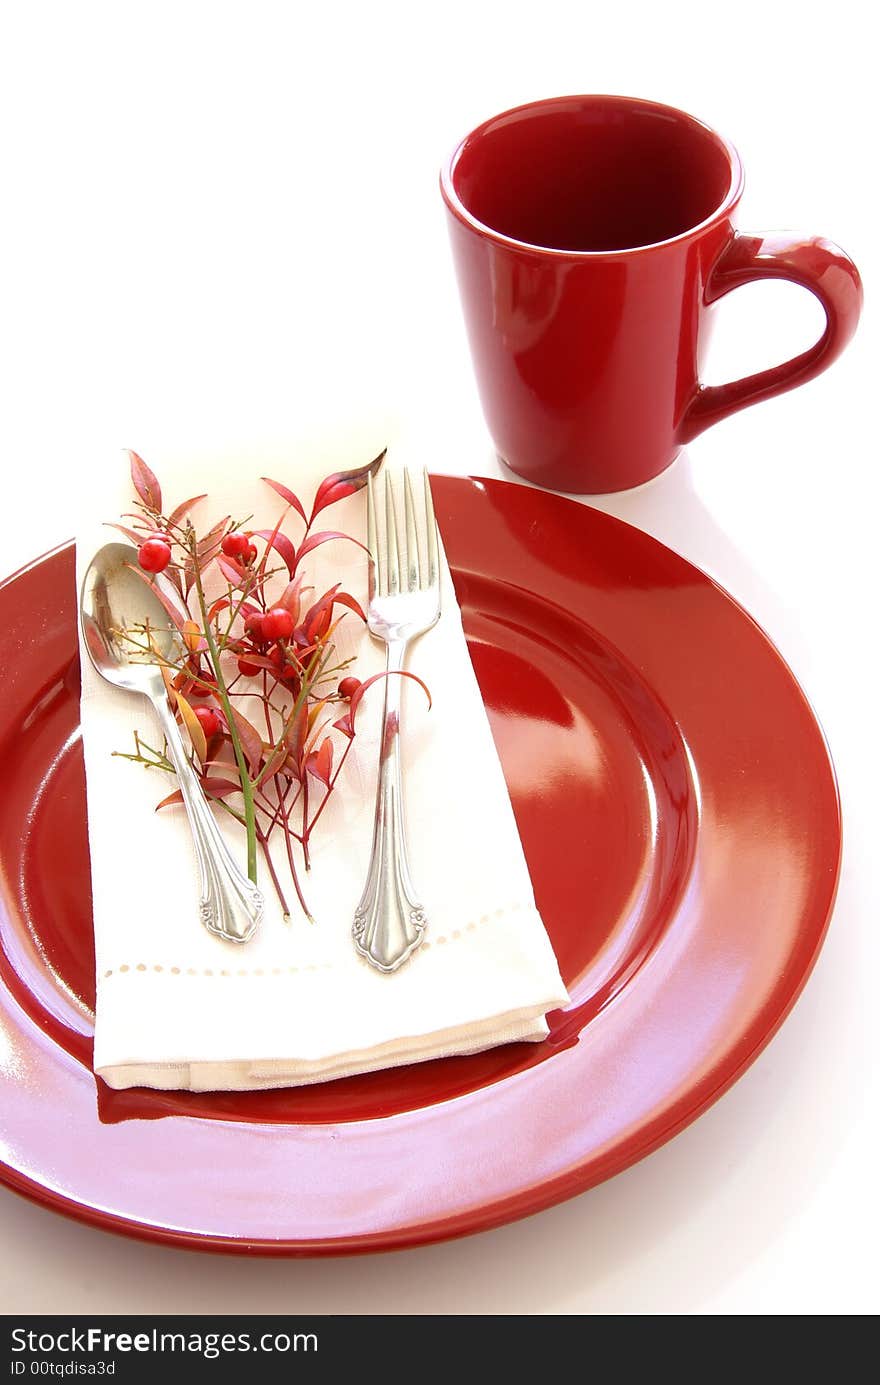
(680, 818)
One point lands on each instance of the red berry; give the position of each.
(235, 545)
(198, 690)
(246, 668)
(277, 624)
(284, 669)
(250, 555)
(253, 623)
(208, 720)
(154, 555)
(348, 687)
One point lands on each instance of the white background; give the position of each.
(220, 221)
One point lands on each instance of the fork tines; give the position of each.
(412, 567)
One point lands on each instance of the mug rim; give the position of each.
(458, 209)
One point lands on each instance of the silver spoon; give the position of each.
(115, 606)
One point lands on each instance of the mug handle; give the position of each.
(816, 264)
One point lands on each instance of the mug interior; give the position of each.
(592, 173)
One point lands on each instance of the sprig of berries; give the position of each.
(267, 702)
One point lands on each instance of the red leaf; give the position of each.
(269, 537)
(191, 686)
(282, 545)
(274, 762)
(329, 495)
(214, 788)
(181, 511)
(250, 738)
(234, 574)
(313, 540)
(291, 597)
(304, 647)
(295, 735)
(132, 534)
(346, 724)
(178, 616)
(316, 621)
(206, 550)
(174, 576)
(220, 788)
(145, 483)
(193, 726)
(211, 540)
(222, 604)
(251, 657)
(287, 494)
(320, 762)
(314, 714)
(342, 483)
(346, 599)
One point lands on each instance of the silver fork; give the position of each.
(404, 590)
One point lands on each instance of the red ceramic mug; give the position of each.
(591, 235)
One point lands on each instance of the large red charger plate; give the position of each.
(679, 815)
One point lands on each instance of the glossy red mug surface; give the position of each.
(591, 236)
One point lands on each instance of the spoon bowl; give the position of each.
(117, 609)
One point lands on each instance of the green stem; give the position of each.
(243, 773)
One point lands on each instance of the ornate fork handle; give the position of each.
(389, 921)
(230, 904)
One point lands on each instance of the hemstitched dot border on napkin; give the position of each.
(127, 967)
(211, 971)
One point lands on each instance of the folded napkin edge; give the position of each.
(527, 1026)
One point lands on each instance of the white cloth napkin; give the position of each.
(179, 1008)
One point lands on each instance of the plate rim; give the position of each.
(521, 1202)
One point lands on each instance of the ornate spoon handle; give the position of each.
(231, 905)
(389, 921)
